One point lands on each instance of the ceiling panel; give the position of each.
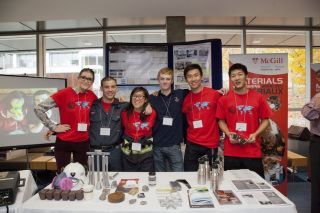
(13, 26)
(74, 42)
(5, 48)
(226, 39)
(19, 44)
(153, 38)
(276, 21)
(316, 22)
(127, 21)
(316, 40)
(71, 24)
(299, 40)
(191, 20)
(276, 39)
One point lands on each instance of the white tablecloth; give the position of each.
(24, 193)
(35, 205)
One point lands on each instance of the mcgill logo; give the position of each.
(255, 60)
(272, 61)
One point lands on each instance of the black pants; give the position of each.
(138, 162)
(314, 152)
(114, 159)
(194, 152)
(63, 150)
(253, 164)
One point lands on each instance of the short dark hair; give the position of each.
(87, 70)
(41, 92)
(238, 66)
(108, 78)
(192, 67)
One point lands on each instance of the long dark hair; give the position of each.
(17, 94)
(130, 105)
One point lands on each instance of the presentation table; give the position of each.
(35, 205)
(24, 193)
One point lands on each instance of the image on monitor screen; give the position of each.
(19, 126)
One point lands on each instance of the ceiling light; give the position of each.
(86, 42)
(257, 41)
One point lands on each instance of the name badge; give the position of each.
(136, 147)
(241, 127)
(197, 124)
(167, 121)
(82, 127)
(104, 131)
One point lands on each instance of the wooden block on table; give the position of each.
(295, 159)
(40, 163)
(52, 164)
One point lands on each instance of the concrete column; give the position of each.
(176, 29)
(309, 60)
(41, 50)
(41, 55)
(243, 36)
(104, 41)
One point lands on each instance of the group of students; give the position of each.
(153, 124)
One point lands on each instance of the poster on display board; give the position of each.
(136, 64)
(184, 55)
(315, 79)
(268, 75)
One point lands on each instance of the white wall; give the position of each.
(42, 10)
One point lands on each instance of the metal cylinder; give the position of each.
(201, 173)
(207, 167)
(105, 175)
(214, 181)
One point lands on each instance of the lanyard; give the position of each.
(134, 118)
(243, 107)
(200, 105)
(166, 105)
(107, 118)
(85, 116)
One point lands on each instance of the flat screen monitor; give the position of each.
(19, 126)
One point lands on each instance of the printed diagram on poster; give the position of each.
(315, 79)
(130, 64)
(268, 75)
(183, 55)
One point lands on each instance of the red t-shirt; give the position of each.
(134, 127)
(71, 106)
(106, 106)
(232, 112)
(202, 107)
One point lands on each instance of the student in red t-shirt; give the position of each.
(74, 107)
(137, 149)
(200, 108)
(239, 113)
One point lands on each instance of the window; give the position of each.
(26, 60)
(64, 59)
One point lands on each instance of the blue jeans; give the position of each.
(173, 154)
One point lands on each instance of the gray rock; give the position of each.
(132, 201)
(145, 188)
(141, 195)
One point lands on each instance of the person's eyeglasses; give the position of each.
(139, 97)
(84, 78)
